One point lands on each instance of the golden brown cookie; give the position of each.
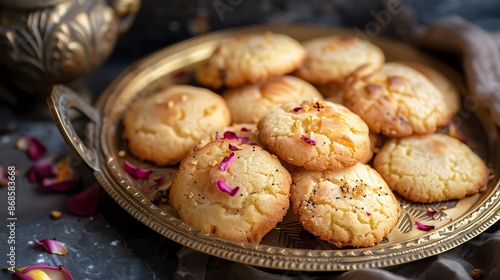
(238, 194)
(443, 84)
(164, 127)
(396, 101)
(250, 59)
(332, 58)
(349, 207)
(316, 135)
(431, 168)
(249, 103)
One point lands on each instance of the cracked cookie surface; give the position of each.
(249, 103)
(260, 203)
(350, 207)
(431, 168)
(332, 58)
(316, 135)
(164, 127)
(396, 101)
(249, 59)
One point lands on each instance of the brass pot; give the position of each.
(49, 42)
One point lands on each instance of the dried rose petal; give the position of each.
(41, 170)
(368, 213)
(233, 136)
(160, 179)
(244, 129)
(53, 246)
(296, 109)
(32, 146)
(217, 137)
(455, 132)
(223, 187)
(42, 272)
(86, 202)
(4, 176)
(431, 213)
(224, 164)
(423, 227)
(137, 172)
(308, 140)
(66, 178)
(253, 144)
(233, 148)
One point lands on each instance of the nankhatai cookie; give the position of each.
(245, 132)
(396, 101)
(249, 103)
(164, 127)
(443, 84)
(332, 58)
(431, 168)
(316, 135)
(375, 145)
(249, 59)
(232, 190)
(349, 207)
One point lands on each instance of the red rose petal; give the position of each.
(137, 172)
(53, 246)
(308, 140)
(42, 270)
(224, 164)
(223, 187)
(32, 146)
(423, 227)
(86, 202)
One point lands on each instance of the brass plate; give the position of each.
(288, 246)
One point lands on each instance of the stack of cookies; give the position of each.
(298, 124)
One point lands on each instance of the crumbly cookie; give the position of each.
(443, 84)
(396, 101)
(246, 132)
(250, 59)
(350, 207)
(163, 128)
(431, 168)
(257, 197)
(316, 135)
(332, 58)
(249, 103)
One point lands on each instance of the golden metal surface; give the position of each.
(288, 246)
(49, 42)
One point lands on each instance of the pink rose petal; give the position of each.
(160, 179)
(233, 148)
(86, 202)
(308, 140)
(66, 179)
(41, 170)
(32, 146)
(233, 136)
(244, 129)
(137, 172)
(431, 213)
(53, 246)
(42, 272)
(224, 164)
(217, 137)
(423, 227)
(296, 109)
(223, 187)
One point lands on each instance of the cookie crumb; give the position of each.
(55, 214)
(477, 273)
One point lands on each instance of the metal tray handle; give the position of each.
(61, 100)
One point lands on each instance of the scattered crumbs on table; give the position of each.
(477, 273)
(114, 242)
(55, 214)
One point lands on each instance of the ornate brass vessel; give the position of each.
(49, 42)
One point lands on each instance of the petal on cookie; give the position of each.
(223, 187)
(308, 140)
(160, 179)
(224, 164)
(233, 136)
(53, 246)
(424, 227)
(234, 148)
(296, 109)
(136, 172)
